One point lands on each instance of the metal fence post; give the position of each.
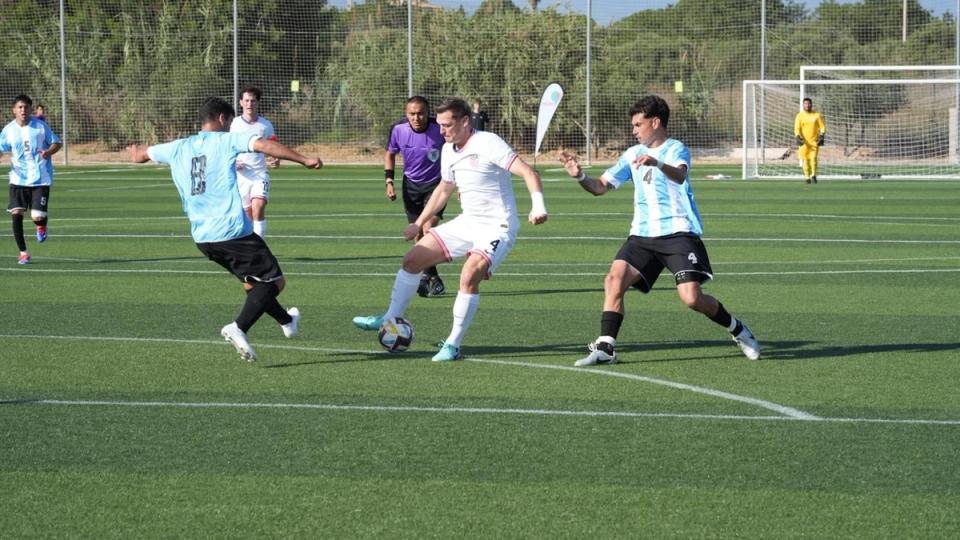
(63, 86)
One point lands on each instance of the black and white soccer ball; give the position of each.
(396, 335)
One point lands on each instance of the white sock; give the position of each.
(404, 289)
(260, 228)
(464, 308)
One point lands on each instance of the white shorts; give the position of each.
(491, 239)
(253, 188)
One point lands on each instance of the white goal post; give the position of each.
(876, 128)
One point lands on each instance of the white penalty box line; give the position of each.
(470, 410)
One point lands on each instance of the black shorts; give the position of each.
(35, 197)
(248, 258)
(415, 197)
(683, 253)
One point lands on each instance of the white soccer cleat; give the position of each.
(238, 339)
(290, 329)
(596, 357)
(748, 344)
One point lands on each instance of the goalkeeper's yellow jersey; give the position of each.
(809, 125)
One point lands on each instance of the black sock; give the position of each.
(42, 222)
(273, 308)
(724, 318)
(430, 272)
(252, 309)
(262, 298)
(610, 322)
(18, 232)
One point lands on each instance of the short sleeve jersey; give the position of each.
(24, 144)
(661, 206)
(203, 167)
(420, 151)
(255, 162)
(481, 172)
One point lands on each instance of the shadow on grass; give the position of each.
(349, 358)
(642, 352)
(801, 350)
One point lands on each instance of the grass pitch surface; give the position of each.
(126, 415)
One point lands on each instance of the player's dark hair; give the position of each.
(806, 99)
(652, 107)
(251, 90)
(458, 106)
(213, 107)
(24, 98)
(419, 99)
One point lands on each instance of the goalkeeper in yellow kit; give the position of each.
(809, 128)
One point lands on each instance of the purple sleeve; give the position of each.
(393, 146)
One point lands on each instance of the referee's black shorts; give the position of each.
(683, 253)
(415, 197)
(249, 258)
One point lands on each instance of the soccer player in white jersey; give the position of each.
(665, 232)
(480, 165)
(252, 176)
(204, 171)
(30, 143)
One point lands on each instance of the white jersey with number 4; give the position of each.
(481, 172)
(253, 164)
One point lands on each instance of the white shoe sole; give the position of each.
(244, 350)
(293, 327)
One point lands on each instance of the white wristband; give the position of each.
(660, 164)
(539, 208)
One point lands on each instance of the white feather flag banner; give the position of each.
(548, 105)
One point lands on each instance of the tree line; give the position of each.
(136, 70)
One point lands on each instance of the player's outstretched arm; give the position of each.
(538, 209)
(593, 185)
(277, 150)
(138, 153)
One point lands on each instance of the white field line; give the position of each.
(602, 264)
(534, 238)
(785, 413)
(116, 188)
(390, 215)
(34, 270)
(783, 410)
(467, 410)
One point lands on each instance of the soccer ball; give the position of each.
(396, 335)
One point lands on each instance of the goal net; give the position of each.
(876, 128)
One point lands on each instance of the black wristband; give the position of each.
(388, 174)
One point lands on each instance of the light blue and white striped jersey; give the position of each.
(203, 167)
(24, 143)
(661, 206)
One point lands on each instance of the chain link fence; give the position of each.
(335, 77)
